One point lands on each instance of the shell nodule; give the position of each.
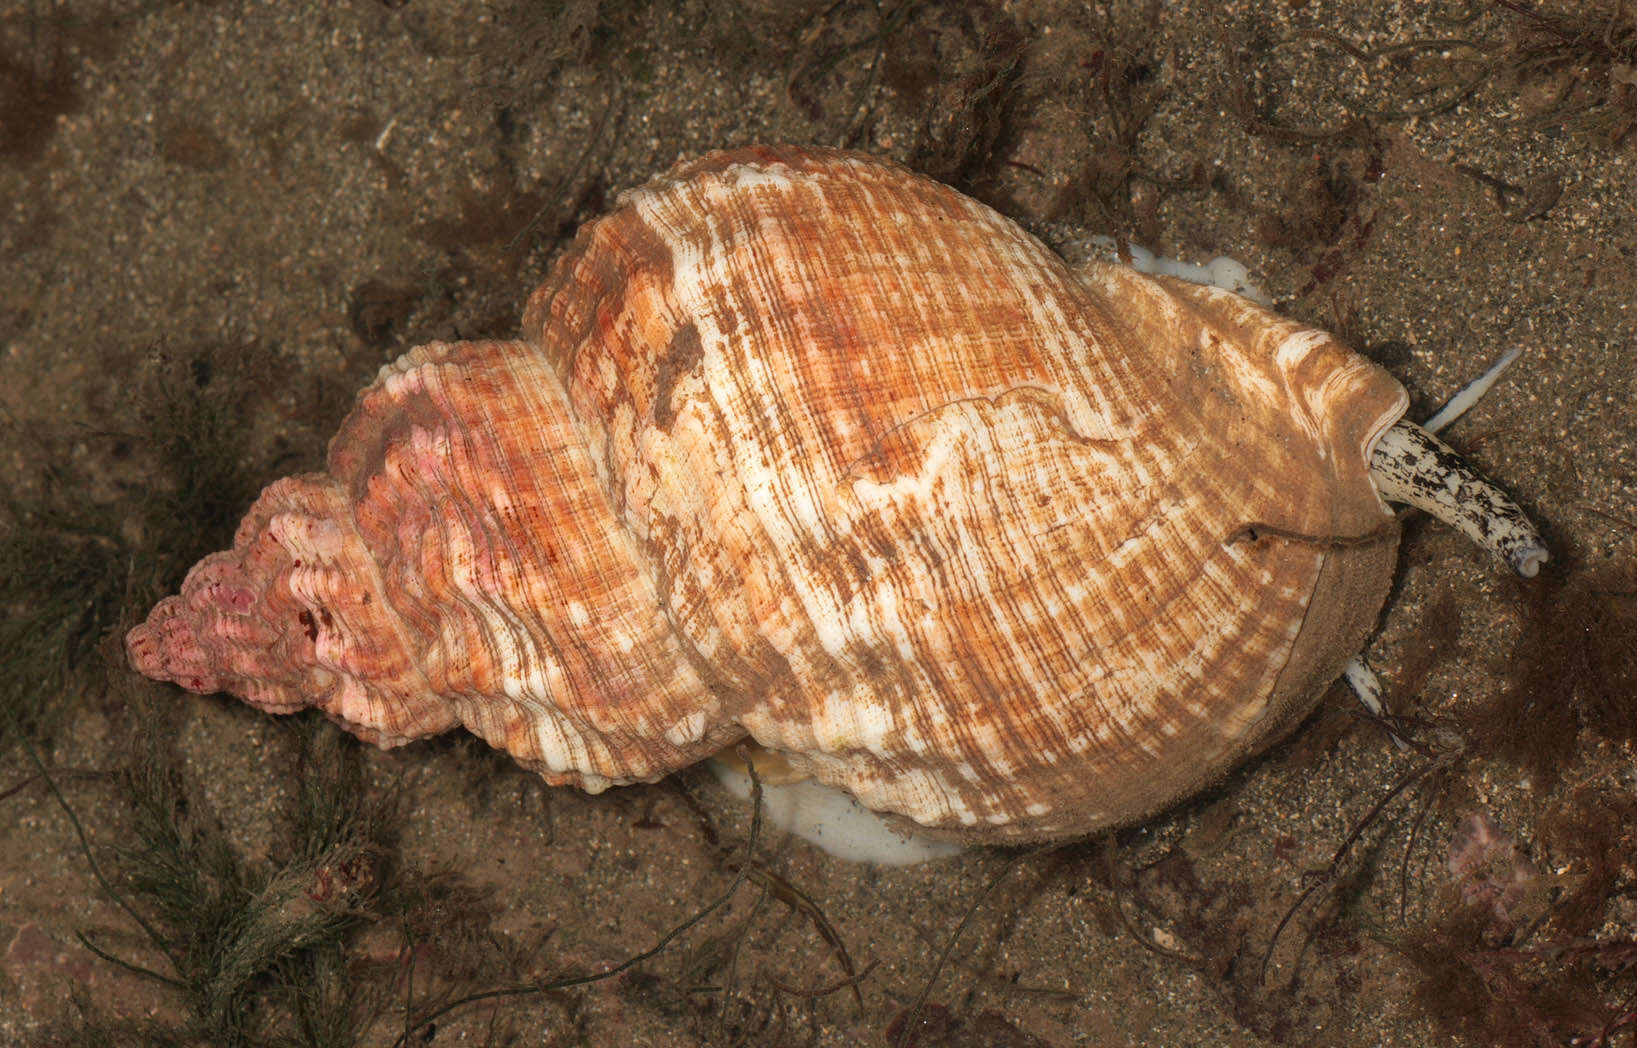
(801, 446)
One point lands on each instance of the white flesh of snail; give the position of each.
(831, 819)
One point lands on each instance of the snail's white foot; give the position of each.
(831, 819)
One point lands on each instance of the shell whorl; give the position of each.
(801, 445)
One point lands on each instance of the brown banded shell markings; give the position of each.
(799, 445)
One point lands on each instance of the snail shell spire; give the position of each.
(798, 445)
(458, 564)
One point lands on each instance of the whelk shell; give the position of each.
(799, 445)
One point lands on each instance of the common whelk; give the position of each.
(799, 445)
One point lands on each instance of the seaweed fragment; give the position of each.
(76, 549)
(252, 945)
(251, 948)
(1565, 66)
(1128, 71)
(1573, 673)
(943, 79)
(419, 1021)
(1585, 56)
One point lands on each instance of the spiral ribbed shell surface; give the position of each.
(799, 445)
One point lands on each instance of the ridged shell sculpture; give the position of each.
(801, 446)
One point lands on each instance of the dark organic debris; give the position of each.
(1556, 66)
(1574, 672)
(34, 92)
